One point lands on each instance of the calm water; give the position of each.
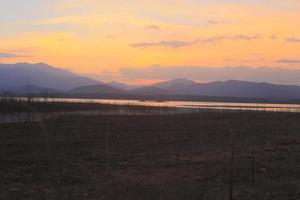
(189, 105)
(183, 107)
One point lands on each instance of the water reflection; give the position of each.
(178, 107)
(189, 104)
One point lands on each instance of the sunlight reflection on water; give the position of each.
(190, 104)
(178, 107)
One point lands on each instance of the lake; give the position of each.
(180, 107)
(189, 105)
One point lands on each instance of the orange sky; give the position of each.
(90, 36)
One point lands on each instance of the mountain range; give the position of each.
(38, 78)
(41, 75)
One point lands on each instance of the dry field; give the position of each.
(201, 156)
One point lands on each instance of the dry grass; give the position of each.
(123, 157)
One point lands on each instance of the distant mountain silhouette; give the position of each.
(175, 83)
(31, 89)
(232, 88)
(43, 79)
(178, 86)
(150, 90)
(14, 76)
(96, 89)
(121, 86)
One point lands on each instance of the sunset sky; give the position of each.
(105, 36)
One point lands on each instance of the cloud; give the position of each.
(7, 55)
(213, 22)
(153, 27)
(240, 37)
(243, 60)
(217, 22)
(288, 61)
(166, 43)
(109, 36)
(207, 74)
(10, 55)
(273, 37)
(61, 39)
(214, 39)
(292, 40)
(182, 43)
(246, 37)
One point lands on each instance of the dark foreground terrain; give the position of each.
(203, 156)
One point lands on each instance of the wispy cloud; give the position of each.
(292, 40)
(4, 55)
(109, 36)
(288, 61)
(183, 43)
(153, 27)
(245, 37)
(221, 38)
(165, 43)
(273, 37)
(217, 22)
